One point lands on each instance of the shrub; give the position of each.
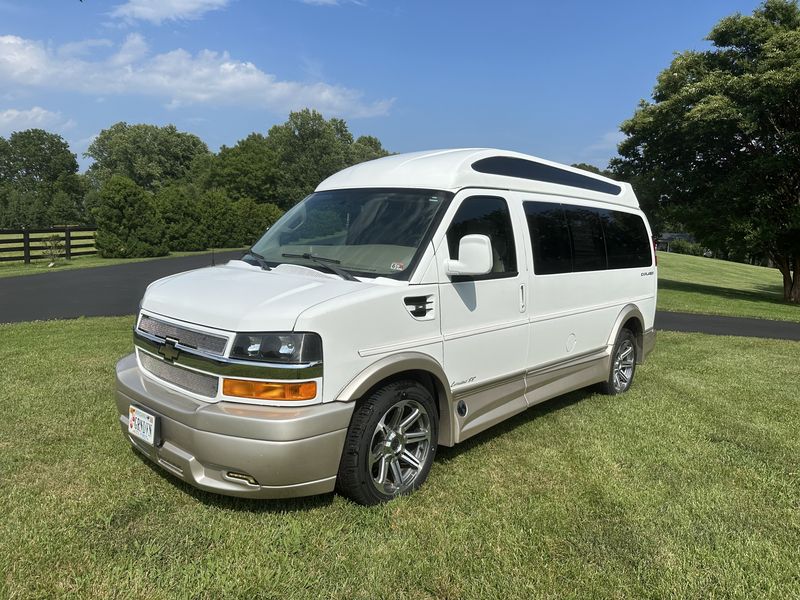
(184, 229)
(128, 224)
(53, 247)
(684, 247)
(252, 220)
(234, 223)
(218, 219)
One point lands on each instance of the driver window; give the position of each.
(489, 216)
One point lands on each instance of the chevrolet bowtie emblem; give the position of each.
(169, 351)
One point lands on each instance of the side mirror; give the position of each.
(474, 256)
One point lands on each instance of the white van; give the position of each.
(410, 301)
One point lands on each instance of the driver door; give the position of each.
(484, 318)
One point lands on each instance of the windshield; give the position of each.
(367, 232)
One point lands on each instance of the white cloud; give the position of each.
(158, 11)
(178, 77)
(83, 47)
(13, 119)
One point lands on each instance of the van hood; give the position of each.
(240, 297)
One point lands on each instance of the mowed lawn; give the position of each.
(717, 287)
(687, 486)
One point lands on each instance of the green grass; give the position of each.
(717, 287)
(687, 486)
(82, 262)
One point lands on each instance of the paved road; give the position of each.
(92, 292)
(116, 290)
(761, 328)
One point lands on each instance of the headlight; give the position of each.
(289, 348)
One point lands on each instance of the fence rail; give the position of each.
(24, 244)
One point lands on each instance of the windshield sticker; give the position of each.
(397, 266)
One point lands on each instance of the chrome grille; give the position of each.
(187, 337)
(199, 383)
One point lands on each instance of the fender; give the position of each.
(389, 366)
(629, 311)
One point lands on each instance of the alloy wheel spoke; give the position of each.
(397, 473)
(375, 457)
(626, 352)
(383, 471)
(409, 420)
(397, 413)
(382, 427)
(420, 435)
(411, 460)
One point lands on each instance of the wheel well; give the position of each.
(635, 326)
(434, 386)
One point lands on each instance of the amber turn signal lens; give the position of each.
(261, 390)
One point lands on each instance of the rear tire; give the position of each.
(390, 444)
(623, 364)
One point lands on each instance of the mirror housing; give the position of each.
(474, 256)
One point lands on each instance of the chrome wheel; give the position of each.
(624, 363)
(400, 447)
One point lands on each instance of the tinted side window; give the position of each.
(627, 242)
(588, 246)
(486, 215)
(550, 238)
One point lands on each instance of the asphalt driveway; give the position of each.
(92, 292)
(116, 290)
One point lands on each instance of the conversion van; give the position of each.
(409, 302)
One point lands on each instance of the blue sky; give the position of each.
(554, 79)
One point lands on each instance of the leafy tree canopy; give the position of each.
(718, 148)
(39, 184)
(591, 169)
(307, 149)
(148, 155)
(31, 158)
(246, 170)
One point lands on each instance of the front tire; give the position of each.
(623, 364)
(390, 444)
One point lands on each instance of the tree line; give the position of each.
(717, 150)
(154, 189)
(716, 153)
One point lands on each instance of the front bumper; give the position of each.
(288, 451)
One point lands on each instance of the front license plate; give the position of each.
(141, 424)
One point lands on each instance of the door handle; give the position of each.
(522, 298)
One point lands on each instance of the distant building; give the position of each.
(663, 241)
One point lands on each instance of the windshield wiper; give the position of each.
(328, 263)
(262, 262)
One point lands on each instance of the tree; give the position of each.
(150, 156)
(34, 158)
(720, 142)
(247, 170)
(253, 220)
(179, 207)
(307, 149)
(128, 224)
(366, 148)
(37, 170)
(218, 218)
(591, 169)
